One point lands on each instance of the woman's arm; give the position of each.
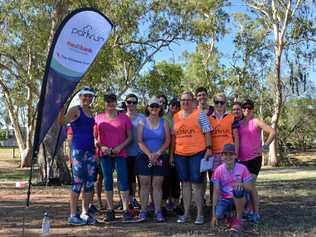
(70, 116)
(166, 144)
(236, 140)
(267, 129)
(141, 144)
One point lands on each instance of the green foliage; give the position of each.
(165, 78)
(298, 123)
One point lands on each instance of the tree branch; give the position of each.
(259, 9)
(285, 22)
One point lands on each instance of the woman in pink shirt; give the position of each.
(250, 145)
(112, 134)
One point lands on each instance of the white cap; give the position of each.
(87, 91)
(154, 100)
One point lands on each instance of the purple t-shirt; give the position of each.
(226, 179)
(112, 132)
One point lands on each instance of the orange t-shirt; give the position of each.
(190, 139)
(222, 132)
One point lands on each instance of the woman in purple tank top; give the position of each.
(250, 145)
(83, 158)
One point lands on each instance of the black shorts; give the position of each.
(254, 165)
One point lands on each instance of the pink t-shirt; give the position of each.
(226, 179)
(112, 132)
(249, 141)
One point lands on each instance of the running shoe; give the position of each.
(236, 225)
(127, 216)
(142, 216)
(88, 219)
(159, 217)
(199, 220)
(254, 218)
(92, 211)
(183, 219)
(75, 220)
(109, 215)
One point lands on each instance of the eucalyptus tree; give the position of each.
(142, 28)
(290, 26)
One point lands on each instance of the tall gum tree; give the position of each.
(283, 18)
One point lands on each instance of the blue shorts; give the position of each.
(224, 207)
(108, 164)
(188, 167)
(141, 165)
(83, 170)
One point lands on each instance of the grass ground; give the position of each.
(288, 207)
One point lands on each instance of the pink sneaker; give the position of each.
(236, 225)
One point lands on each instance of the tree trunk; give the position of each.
(273, 155)
(59, 171)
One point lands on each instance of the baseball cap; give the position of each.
(154, 100)
(229, 148)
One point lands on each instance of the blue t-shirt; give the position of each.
(132, 148)
(154, 138)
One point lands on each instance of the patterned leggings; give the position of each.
(83, 170)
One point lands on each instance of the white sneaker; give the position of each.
(88, 219)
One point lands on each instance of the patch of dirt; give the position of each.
(288, 208)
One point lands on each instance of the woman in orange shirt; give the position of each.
(191, 142)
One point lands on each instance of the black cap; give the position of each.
(229, 148)
(110, 97)
(248, 102)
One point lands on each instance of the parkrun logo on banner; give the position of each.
(87, 32)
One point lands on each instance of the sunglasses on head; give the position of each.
(131, 102)
(219, 102)
(156, 106)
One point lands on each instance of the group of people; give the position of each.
(163, 149)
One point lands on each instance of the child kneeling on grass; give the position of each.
(231, 180)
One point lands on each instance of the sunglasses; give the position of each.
(87, 95)
(247, 107)
(154, 106)
(131, 102)
(186, 100)
(201, 94)
(219, 102)
(110, 101)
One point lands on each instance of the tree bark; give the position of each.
(273, 156)
(59, 170)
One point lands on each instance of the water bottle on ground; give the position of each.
(45, 225)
